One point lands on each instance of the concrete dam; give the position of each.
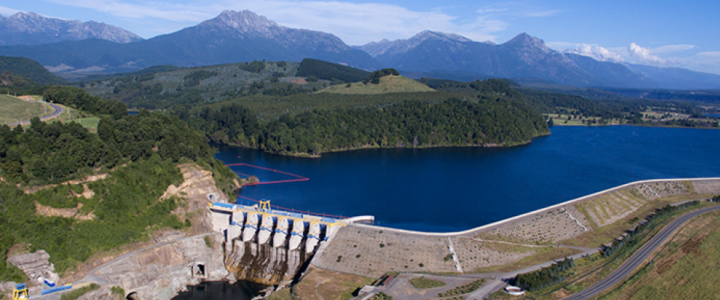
(270, 246)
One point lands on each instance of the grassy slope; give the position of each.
(388, 84)
(12, 109)
(323, 284)
(686, 268)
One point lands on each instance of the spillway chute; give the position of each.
(313, 237)
(266, 229)
(281, 232)
(251, 227)
(296, 236)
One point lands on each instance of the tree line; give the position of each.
(452, 122)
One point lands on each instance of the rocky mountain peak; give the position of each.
(527, 41)
(29, 28)
(427, 34)
(243, 21)
(403, 46)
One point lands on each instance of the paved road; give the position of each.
(634, 261)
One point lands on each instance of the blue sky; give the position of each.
(663, 33)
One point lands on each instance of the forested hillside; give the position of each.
(29, 69)
(496, 115)
(136, 155)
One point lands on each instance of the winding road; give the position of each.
(637, 259)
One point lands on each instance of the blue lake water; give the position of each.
(712, 115)
(448, 189)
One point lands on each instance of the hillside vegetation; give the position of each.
(386, 84)
(135, 159)
(497, 115)
(329, 71)
(165, 87)
(29, 69)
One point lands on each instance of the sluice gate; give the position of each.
(262, 225)
(269, 246)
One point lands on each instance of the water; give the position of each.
(221, 290)
(449, 189)
(712, 115)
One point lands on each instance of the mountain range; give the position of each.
(245, 36)
(33, 29)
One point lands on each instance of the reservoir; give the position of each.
(450, 189)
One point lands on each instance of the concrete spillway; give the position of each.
(281, 232)
(246, 222)
(313, 237)
(266, 229)
(297, 234)
(251, 227)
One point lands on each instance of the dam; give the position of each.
(262, 225)
(270, 246)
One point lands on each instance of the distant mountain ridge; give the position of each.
(522, 56)
(33, 29)
(244, 36)
(230, 37)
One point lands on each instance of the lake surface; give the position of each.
(221, 290)
(712, 115)
(449, 189)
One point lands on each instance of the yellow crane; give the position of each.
(20, 292)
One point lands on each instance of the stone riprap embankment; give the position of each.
(372, 251)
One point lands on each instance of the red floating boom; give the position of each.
(299, 178)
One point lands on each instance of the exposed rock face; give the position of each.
(160, 272)
(198, 186)
(33, 29)
(35, 265)
(48, 211)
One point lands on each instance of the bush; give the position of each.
(545, 277)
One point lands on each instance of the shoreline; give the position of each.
(303, 155)
(541, 210)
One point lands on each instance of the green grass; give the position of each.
(687, 268)
(388, 84)
(13, 109)
(73, 115)
(426, 283)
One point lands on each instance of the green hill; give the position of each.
(330, 71)
(388, 84)
(29, 69)
(13, 109)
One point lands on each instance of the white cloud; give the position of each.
(597, 52)
(161, 10)
(539, 14)
(7, 11)
(645, 56)
(672, 48)
(710, 54)
(488, 10)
